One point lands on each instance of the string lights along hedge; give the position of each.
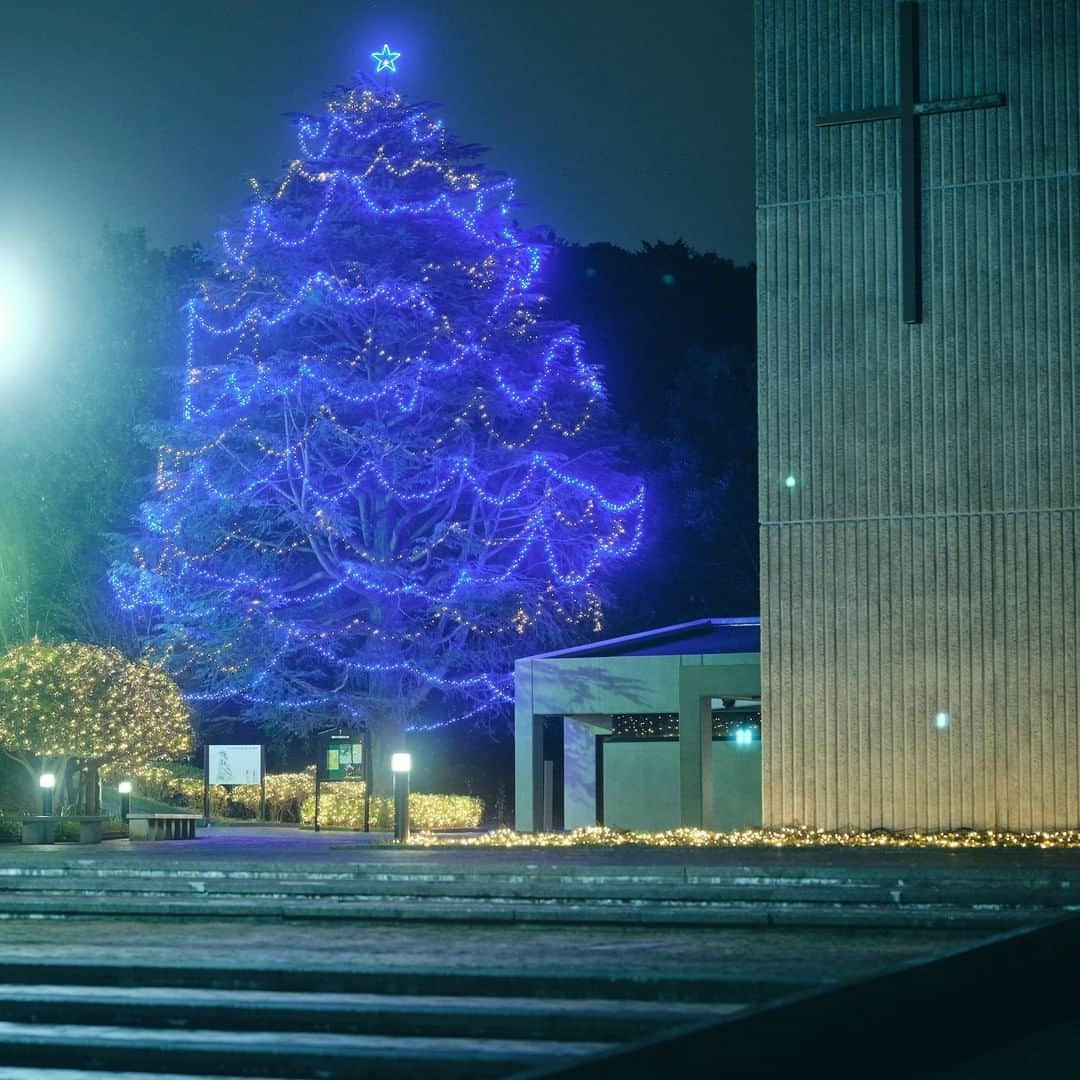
(381, 484)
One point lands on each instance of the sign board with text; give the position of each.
(344, 758)
(234, 764)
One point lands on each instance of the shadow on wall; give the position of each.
(574, 687)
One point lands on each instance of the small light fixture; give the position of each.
(400, 764)
(941, 720)
(790, 481)
(124, 787)
(744, 736)
(47, 781)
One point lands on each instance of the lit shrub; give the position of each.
(445, 811)
(341, 805)
(290, 797)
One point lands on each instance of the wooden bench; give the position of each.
(41, 828)
(162, 826)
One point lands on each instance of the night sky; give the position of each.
(621, 121)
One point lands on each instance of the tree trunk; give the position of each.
(387, 737)
(92, 802)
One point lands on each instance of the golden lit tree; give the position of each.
(72, 708)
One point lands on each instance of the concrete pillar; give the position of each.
(695, 755)
(528, 754)
(579, 768)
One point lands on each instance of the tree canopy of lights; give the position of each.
(380, 488)
(85, 704)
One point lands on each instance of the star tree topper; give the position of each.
(384, 59)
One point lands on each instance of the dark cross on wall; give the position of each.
(908, 112)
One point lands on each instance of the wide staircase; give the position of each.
(274, 1022)
(224, 1015)
(544, 891)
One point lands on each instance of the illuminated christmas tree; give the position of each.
(380, 486)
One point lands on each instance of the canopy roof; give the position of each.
(702, 636)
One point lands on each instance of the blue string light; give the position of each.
(375, 488)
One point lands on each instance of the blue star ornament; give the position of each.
(384, 59)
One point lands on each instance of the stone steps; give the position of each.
(191, 1021)
(752, 890)
(21, 1073)
(408, 1015)
(276, 1053)
(668, 896)
(688, 987)
(494, 911)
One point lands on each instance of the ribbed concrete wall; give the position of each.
(927, 559)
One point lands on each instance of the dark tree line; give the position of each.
(675, 331)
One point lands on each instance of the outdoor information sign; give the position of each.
(235, 764)
(343, 755)
(344, 758)
(229, 765)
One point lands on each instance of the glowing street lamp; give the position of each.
(400, 765)
(47, 781)
(124, 787)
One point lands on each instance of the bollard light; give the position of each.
(400, 764)
(124, 787)
(47, 781)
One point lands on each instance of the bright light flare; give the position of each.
(19, 317)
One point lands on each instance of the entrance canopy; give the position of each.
(676, 669)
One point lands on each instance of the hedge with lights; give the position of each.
(342, 806)
(290, 797)
(795, 836)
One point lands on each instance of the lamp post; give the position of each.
(47, 781)
(124, 787)
(400, 764)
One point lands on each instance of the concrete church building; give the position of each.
(918, 189)
(918, 222)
